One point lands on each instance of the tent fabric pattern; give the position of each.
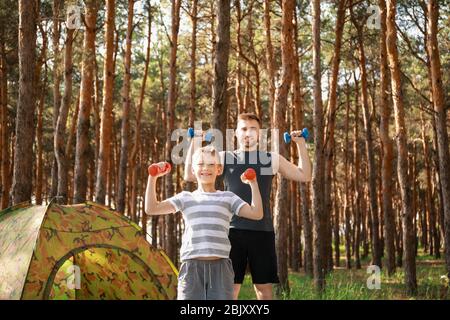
(19, 228)
(47, 243)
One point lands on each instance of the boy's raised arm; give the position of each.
(255, 211)
(152, 205)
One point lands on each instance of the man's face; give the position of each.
(247, 133)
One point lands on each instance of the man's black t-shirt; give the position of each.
(235, 163)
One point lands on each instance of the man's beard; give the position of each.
(249, 144)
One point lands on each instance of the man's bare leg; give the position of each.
(236, 289)
(263, 291)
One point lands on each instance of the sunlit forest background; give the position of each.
(92, 90)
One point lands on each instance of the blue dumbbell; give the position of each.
(287, 136)
(208, 136)
(191, 132)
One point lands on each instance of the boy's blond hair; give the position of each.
(208, 150)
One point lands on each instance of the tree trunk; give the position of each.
(294, 228)
(387, 147)
(106, 117)
(336, 222)
(441, 119)
(298, 104)
(318, 178)
(96, 103)
(192, 90)
(171, 102)
(222, 53)
(69, 144)
(399, 237)
(376, 253)
(329, 147)
(347, 202)
(437, 183)
(280, 107)
(135, 165)
(86, 89)
(357, 183)
(126, 101)
(56, 6)
(252, 63)
(59, 140)
(23, 158)
(40, 92)
(4, 138)
(431, 210)
(365, 217)
(270, 60)
(193, 82)
(402, 167)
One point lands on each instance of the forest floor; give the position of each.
(344, 284)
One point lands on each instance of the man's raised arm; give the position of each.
(194, 144)
(301, 172)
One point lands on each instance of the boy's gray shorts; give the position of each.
(206, 280)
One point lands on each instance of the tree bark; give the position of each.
(357, 183)
(441, 119)
(332, 101)
(252, 63)
(192, 75)
(56, 6)
(347, 201)
(431, 210)
(126, 101)
(318, 177)
(336, 222)
(280, 107)
(387, 147)
(23, 158)
(86, 89)
(96, 104)
(294, 228)
(135, 163)
(59, 140)
(222, 53)
(193, 89)
(270, 60)
(106, 117)
(40, 92)
(298, 104)
(402, 167)
(376, 253)
(171, 102)
(5, 163)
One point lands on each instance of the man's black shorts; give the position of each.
(257, 248)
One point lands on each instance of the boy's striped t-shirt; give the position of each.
(207, 217)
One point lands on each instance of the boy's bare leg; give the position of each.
(236, 289)
(263, 291)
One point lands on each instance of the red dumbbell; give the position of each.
(155, 169)
(250, 174)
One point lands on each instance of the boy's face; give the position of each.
(206, 167)
(247, 133)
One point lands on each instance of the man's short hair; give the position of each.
(249, 116)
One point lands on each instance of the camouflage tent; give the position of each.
(83, 251)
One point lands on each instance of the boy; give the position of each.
(206, 271)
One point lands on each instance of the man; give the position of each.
(253, 242)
